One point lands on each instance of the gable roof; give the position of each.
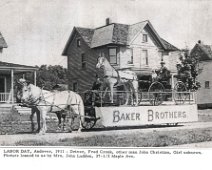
(120, 34)
(169, 46)
(204, 52)
(3, 43)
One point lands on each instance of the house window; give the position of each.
(145, 52)
(207, 84)
(83, 60)
(78, 43)
(145, 38)
(75, 86)
(113, 55)
(131, 57)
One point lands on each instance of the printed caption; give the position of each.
(90, 153)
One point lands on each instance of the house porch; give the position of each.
(9, 73)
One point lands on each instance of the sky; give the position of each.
(36, 31)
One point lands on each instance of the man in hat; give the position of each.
(163, 73)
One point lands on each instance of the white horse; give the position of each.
(57, 101)
(113, 76)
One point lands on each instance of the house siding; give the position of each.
(153, 51)
(83, 76)
(204, 95)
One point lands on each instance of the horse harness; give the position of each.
(118, 77)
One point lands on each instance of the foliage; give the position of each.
(188, 71)
(49, 76)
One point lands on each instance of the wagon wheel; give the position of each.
(179, 92)
(155, 93)
(89, 119)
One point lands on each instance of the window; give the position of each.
(78, 43)
(131, 56)
(113, 55)
(207, 84)
(75, 86)
(145, 38)
(145, 52)
(83, 59)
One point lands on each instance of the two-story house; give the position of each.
(137, 47)
(204, 54)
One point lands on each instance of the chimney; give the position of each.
(107, 21)
(199, 42)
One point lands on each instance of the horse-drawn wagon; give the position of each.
(119, 101)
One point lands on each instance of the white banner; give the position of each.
(145, 115)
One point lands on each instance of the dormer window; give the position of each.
(78, 43)
(145, 38)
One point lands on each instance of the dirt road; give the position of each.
(51, 138)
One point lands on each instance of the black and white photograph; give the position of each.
(105, 74)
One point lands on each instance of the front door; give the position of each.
(2, 85)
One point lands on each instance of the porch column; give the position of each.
(35, 77)
(12, 85)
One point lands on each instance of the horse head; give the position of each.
(100, 62)
(27, 93)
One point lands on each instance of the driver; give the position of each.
(162, 72)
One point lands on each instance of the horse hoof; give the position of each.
(67, 131)
(58, 130)
(42, 133)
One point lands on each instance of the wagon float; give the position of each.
(121, 103)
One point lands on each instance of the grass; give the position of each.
(138, 139)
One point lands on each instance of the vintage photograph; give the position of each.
(115, 73)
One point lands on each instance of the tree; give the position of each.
(188, 71)
(49, 76)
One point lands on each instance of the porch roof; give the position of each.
(17, 67)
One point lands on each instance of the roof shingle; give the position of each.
(204, 52)
(120, 34)
(86, 34)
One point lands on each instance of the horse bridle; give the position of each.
(36, 101)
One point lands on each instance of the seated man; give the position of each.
(163, 74)
(183, 74)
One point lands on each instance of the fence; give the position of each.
(145, 98)
(4, 97)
